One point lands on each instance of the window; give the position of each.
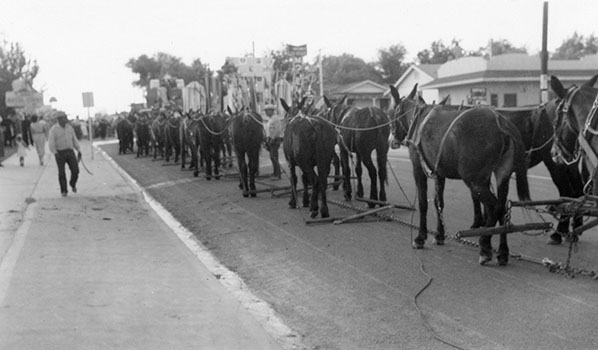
(494, 100)
(510, 100)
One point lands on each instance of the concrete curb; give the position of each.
(258, 308)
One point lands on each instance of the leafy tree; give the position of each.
(439, 53)
(498, 47)
(391, 63)
(162, 65)
(576, 46)
(14, 65)
(346, 68)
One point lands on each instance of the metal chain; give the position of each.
(556, 267)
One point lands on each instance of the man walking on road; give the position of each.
(62, 142)
(274, 139)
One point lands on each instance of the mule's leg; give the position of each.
(481, 192)
(421, 182)
(382, 159)
(254, 166)
(216, 156)
(243, 174)
(358, 174)
(205, 151)
(315, 187)
(478, 217)
(503, 247)
(323, 171)
(346, 173)
(307, 180)
(373, 173)
(293, 200)
(439, 204)
(336, 163)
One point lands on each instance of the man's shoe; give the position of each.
(74, 188)
(64, 194)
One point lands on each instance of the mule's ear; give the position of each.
(300, 105)
(413, 92)
(444, 100)
(285, 106)
(591, 82)
(327, 102)
(421, 99)
(344, 100)
(557, 87)
(395, 94)
(229, 110)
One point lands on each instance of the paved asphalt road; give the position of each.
(354, 286)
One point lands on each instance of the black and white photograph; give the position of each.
(298, 175)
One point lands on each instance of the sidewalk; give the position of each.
(100, 269)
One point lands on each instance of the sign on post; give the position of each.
(297, 50)
(88, 99)
(88, 102)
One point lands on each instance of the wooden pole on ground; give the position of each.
(360, 215)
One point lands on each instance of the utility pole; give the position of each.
(544, 57)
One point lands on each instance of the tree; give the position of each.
(161, 65)
(576, 46)
(391, 63)
(438, 53)
(346, 68)
(498, 47)
(14, 65)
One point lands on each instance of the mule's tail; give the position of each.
(519, 161)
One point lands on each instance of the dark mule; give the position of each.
(308, 143)
(211, 128)
(247, 132)
(157, 135)
(536, 126)
(470, 145)
(172, 141)
(575, 138)
(186, 135)
(124, 132)
(142, 129)
(363, 131)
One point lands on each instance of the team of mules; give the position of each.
(470, 143)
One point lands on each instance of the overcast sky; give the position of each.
(83, 45)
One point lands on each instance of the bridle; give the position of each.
(563, 111)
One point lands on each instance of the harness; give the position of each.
(582, 146)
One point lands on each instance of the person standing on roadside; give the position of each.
(1, 141)
(274, 139)
(62, 142)
(39, 131)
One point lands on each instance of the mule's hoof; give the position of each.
(437, 241)
(195, 173)
(502, 260)
(555, 239)
(208, 178)
(253, 194)
(218, 177)
(313, 214)
(245, 194)
(484, 259)
(417, 245)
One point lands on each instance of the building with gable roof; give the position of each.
(365, 93)
(417, 74)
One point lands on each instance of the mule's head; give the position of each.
(571, 113)
(402, 115)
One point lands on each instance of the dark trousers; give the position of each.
(274, 146)
(63, 157)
